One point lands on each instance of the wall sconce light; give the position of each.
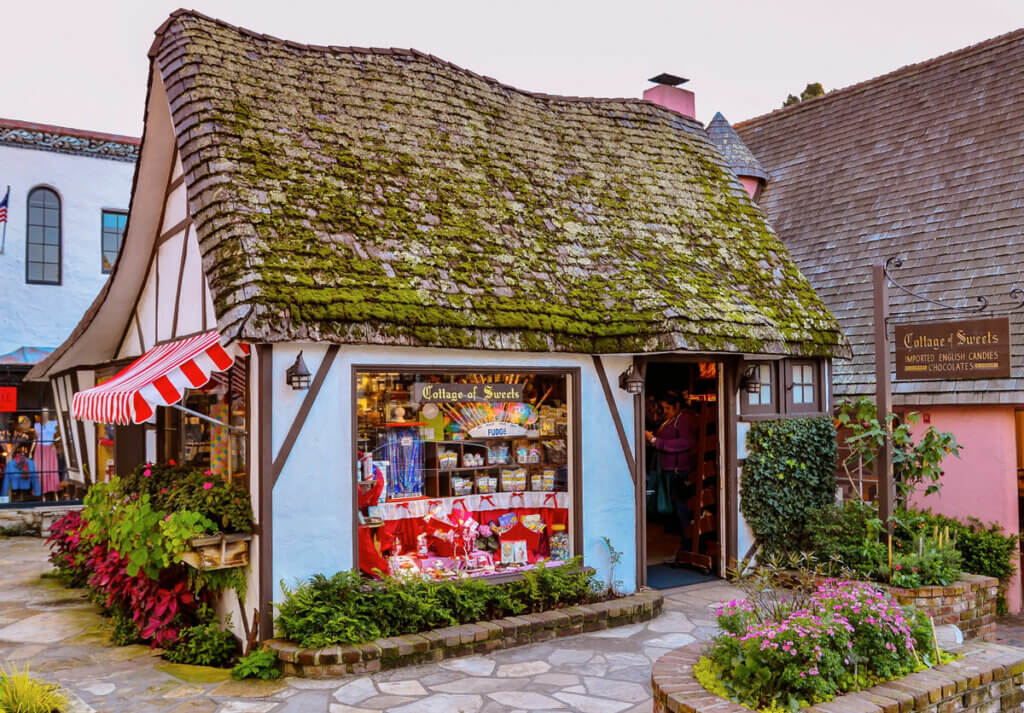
(630, 381)
(298, 376)
(751, 380)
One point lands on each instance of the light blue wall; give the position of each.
(313, 509)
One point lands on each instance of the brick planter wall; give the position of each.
(970, 603)
(450, 642)
(988, 679)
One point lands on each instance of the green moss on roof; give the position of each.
(386, 197)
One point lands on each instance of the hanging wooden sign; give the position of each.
(962, 349)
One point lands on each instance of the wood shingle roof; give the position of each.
(384, 196)
(926, 162)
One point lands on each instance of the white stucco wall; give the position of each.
(44, 315)
(313, 510)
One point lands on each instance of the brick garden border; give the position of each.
(478, 638)
(988, 679)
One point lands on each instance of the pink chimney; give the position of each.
(669, 95)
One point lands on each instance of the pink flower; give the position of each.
(897, 567)
(207, 485)
(163, 491)
(209, 472)
(147, 472)
(167, 518)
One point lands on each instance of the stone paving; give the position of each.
(64, 639)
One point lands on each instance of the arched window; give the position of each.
(42, 260)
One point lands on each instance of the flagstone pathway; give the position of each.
(63, 637)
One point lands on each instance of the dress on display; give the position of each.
(46, 457)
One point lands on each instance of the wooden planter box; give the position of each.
(218, 551)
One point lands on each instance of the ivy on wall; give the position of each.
(789, 473)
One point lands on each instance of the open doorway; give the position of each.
(681, 420)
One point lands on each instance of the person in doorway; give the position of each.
(676, 443)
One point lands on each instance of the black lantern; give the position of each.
(630, 381)
(751, 379)
(298, 375)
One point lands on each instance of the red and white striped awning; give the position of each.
(157, 378)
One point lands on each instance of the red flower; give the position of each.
(171, 462)
(897, 567)
(207, 485)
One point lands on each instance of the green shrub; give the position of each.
(20, 693)
(259, 663)
(226, 504)
(347, 609)
(789, 473)
(204, 644)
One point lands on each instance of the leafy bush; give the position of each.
(842, 636)
(259, 663)
(20, 693)
(913, 464)
(347, 609)
(204, 644)
(227, 505)
(789, 472)
(850, 534)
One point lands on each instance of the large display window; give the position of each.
(464, 472)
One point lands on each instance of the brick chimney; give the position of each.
(668, 94)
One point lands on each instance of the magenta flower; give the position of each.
(147, 472)
(207, 485)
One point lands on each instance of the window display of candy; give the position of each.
(497, 455)
(472, 460)
(513, 479)
(462, 486)
(446, 460)
(486, 484)
(558, 542)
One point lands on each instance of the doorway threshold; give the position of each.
(662, 576)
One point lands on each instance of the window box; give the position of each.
(218, 551)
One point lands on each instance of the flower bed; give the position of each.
(478, 637)
(986, 679)
(128, 545)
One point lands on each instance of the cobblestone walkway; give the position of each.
(65, 640)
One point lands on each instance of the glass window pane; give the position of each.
(109, 221)
(50, 273)
(766, 393)
(51, 254)
(51, 236)
(35, 271)
(50, 198)
(808, 394)
(122, 220)
(35, 253)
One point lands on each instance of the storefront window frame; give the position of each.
(575, 429)
(814, 406)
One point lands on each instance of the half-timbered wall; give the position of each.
(174, 301)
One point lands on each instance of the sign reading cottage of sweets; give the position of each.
(964, 349)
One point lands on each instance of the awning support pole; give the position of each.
(203, 416)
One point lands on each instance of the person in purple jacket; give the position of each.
(676, 440)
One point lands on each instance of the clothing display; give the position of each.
(20, 474)
(45, 456)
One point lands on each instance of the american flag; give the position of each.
(3, 206)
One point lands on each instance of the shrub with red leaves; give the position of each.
(159, 607)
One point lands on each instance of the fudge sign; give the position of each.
(965, 349)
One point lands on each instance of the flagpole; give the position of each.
(3, 241)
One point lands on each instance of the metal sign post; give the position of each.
(883, 397)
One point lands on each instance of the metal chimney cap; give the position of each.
(667, 79)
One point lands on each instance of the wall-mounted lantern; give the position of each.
(631, 382)
(298, 375)
(751, 379)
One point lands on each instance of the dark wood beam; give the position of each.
(304, 409)
(264, 426)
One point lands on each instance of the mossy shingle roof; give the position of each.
(387, 197)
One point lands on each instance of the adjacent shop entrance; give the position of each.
(684, 527)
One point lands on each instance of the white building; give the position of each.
(68, 202)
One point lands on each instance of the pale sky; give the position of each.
(83, 63)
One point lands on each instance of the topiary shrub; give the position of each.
(790, 472)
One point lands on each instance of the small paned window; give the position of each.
(763, 384)
(113, 231)
(758, 389)
(803, 384)
(42, 260)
